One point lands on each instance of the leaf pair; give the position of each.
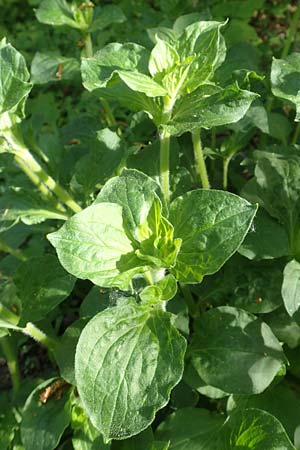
(124, 233)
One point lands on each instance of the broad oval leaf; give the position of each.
(147, 351)
(42, 284)
(56, 13)
(51, 66)
(43, 423)
(93, 245)
(236, 352)
(212, 225)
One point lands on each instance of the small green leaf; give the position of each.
(56, 13)
(142, 83)
(163, 290)
(285, 79)
(93, 245)
(163, 58)
(42, 284)
(291, 288)
(135, 193)
(235, 352)
(44, 423)
(46, 67)
(212, 225)
(122, 399)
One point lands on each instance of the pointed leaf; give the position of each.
(56, 13)
(291, 288)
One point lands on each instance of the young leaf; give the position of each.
(234, 351)
(285, 79)
(44, 423)
(42, 284)
(14, 76)
(163, 290)
(135, 193)
(291, 288)
(56, 13)
(122, 399)
(211, 225)
(93, 245)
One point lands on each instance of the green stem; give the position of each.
(109, 116)
(12, 251)
(296, 133)
(11, 357)
(34, 332)
(88, 45)
(193, 311)
(291, 32)
(164, 164)
(7, 315)
(38, 175)
(226, 163)
(199, 160)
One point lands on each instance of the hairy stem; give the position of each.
(199, 160)
(88, 49)
(44, 182)
(38, 335)
(11, 357)
(291, 32)
(164, 164)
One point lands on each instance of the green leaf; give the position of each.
(135, 193)
(8, 427)
(253, 429)
(259, 242)
(281, 401)
(14, 76)
(142, 83)
(276, 188)
(42, 284)
(202, 219)
(105, 16)
(163, 58)
(64, 352)
(93, 245)
(190, 429)
(56, 13)
(284, 327)
(198, 429)
(98, 70)
(51, 66)
(144, 440)
(148, 357)
(209, 106)
(235, 352)
(291, 288)
(163, 290)
(44, 423)
(95, 301)
(85, 435)
(285, 79)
